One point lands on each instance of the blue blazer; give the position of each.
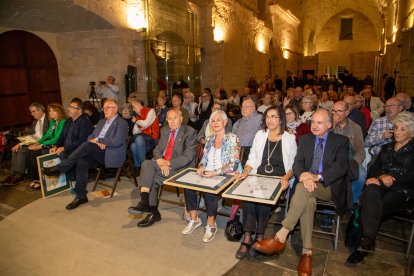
(115, 140)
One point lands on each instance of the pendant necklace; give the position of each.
(269, 168)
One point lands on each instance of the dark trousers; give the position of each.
(32, 162)
(378, 203)
(86, 156)
(255, 217)
(211, 201)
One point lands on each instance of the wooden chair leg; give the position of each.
(177, 191)
(117, 179)
(98, 175)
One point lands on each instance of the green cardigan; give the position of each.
(49, 138)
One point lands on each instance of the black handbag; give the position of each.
(234, 229)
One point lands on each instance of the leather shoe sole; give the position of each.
(76, 202)
(51, 171)
(269, 246)
(149, 220)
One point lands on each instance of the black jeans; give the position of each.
(378, 203)
(255, 217)
(86, 156)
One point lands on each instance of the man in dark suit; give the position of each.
(75, 131)
(105, 146)
(320, 166)
(175, 151)
(20, 152)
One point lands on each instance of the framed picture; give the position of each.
(189, 179)
(51, 184)
(256, 188)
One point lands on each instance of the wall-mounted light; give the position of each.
(136, 15)
(218, 34)
(261, 43)
(286, 53)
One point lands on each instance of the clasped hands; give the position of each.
(165, 166)
(202, 172)
(57, 150)
(309, 181)
(388, 180)
(35, 147)
(100, 145)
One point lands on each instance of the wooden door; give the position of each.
(28, 73)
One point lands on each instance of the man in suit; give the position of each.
(105, 146)
(20, 152)
(176, 150)
(75, 131)
(320, 166)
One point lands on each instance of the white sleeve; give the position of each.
(148, 121)
(114, 88)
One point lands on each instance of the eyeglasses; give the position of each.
(73, 107)
(108, 107)
(289, 113)
(272, 117)
(247, 106)
(391, 105)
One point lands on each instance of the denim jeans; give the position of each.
(140, 147)
(358, 184)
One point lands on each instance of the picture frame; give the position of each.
(188, 179)
(245, 189)
(51, 184)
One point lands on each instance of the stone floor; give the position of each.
(39, 237)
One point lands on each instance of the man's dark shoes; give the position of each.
(243, 250)
(76, 202)
(149, 220)
(356, 257)
(141, 208)
(51, 171)
(367, 245)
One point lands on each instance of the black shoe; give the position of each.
(149, 220)
(242, 254)
(356, 257)
(141, 208)
(367, 245)
(76, 202)
(51, 171)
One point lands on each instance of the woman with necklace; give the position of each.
(272, 154)
(389, 187)
(221, 156)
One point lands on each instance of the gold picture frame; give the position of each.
(187, 179)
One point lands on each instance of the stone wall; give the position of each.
(92, 56)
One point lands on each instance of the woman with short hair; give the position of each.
(221, 156)
(293, 124)
(389, 186)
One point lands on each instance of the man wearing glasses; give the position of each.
(75, 131)
(105, 146)
(381, 130)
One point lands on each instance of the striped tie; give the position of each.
(317, 157)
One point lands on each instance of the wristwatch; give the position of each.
(319, 177)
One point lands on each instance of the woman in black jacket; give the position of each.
(389, 186)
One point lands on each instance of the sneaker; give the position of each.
(193, 224)
(210, 233)
(141, 208)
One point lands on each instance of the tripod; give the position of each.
(92, 95)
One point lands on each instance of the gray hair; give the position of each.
(361, 98)
(220, 113)
(405, 118)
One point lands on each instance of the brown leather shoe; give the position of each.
(305, 265)
(269, 246)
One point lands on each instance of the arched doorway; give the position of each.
(28, 73)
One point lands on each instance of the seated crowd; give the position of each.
(318, 141)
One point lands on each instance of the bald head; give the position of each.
(350, 101)
(174, 119)
(321, 122)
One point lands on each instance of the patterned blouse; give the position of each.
(230, 150)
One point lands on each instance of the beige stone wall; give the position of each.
(92, 56)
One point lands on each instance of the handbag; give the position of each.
(234, 228)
